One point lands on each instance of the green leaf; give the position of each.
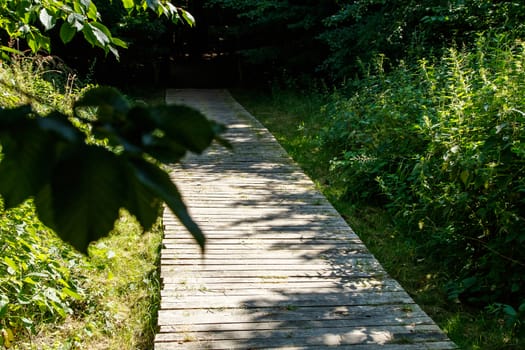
(509, 311)
(159, 183)
(67, 32)
(92, 10)
(190, 20)
(521, 309)
(59, 124)
(83, 199)
(113, 50)
(153, 4)
(76, 20)
(33, 42)
(95, 35)
(70, 293)
(38, 41)
(164, 150)
(27, 322)
(141, 201)
(47, 20)
(464, 176)
(90, 36)
(103, 29)
(10, 50)
(85, 3)
(185, 125)
(11, 116)
(11, 264)
(128, 4)
(118, 42)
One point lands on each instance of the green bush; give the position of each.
(441, 143)
(369, 130)
(39, 282)
(360, 29)
(37, 279)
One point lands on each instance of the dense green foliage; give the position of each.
(31, 20)
(335, 38)
(37, 282)
(359, 30)
(51, 296)
(441, 144)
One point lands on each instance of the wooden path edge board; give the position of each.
(282, 269)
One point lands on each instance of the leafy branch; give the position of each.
(80, 180)
(31, 19)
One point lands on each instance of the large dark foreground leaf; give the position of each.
(83, 199)
(79, 187)
(159, 183)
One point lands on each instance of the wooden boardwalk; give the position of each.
(282, 269)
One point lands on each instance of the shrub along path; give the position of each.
(282, 269)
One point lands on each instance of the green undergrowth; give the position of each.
(398, 149)
(55, 298)
(51, 296)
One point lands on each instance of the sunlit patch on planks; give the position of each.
(282, 269)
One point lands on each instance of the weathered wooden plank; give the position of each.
(168, 271)
(245, 241)
(283, 300)
(268, 265)
(188, 344)
(362, 285)
(258, 235)
(211, 255)
(364, 315)
(412, 323)
(296, 230)
(231, 345)
(293, 237)
(339, 284)
(279, 260)
(303, 295)
(263, 279)
(379, 335)
(276, 245)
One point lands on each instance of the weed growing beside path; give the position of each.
(52, 297)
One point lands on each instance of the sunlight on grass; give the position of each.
(121, 284)
(51, 296)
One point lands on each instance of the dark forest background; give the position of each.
(254, 42)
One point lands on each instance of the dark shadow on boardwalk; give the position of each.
(282, 268)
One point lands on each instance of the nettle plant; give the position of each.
(441, 144)
(37, 275)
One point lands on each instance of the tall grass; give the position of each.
(441, 145)
(52, 297)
